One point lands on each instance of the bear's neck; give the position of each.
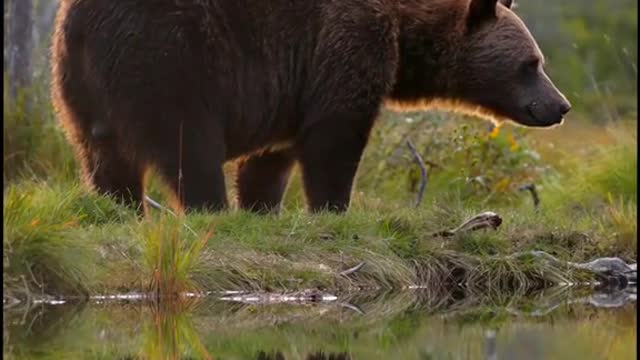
(427, 30)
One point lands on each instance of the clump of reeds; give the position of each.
(171, 254)
(43, 250)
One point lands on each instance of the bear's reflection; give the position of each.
(320, 355)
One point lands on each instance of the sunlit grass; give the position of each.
(594, 172)
(59, 237)
(101, 246)
(40, 243)
(598, 188)
(171, 255)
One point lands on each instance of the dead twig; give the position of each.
(352, 270)
(531, 188)
(266, 298)
(27, 289)
(353, 307)
(423, 171)
(483, 220)
(156, 205)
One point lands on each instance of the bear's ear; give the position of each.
(509, 4)
(480, 11)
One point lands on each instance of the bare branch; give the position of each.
(352, 270)
(423, 171)
(534, 194)
(156, 205)
(483, 220)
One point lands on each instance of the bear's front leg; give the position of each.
(110, 173)
(330, 151)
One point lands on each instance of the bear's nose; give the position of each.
(565, 108)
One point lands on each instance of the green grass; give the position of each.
(33, 144)
(74, 240)
(40, 242)
(599, 188)
(170, 256)
(59, 238)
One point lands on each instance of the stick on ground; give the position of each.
(352, 270)
(156, 205)
(485, 220)
(423, 171)
(531, 188)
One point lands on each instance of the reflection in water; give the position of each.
(527, 344)
(171, 332)
(322, 356)
(492, 351)
(273, 356)
(411, 325)
(315, 356)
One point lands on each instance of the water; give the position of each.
(554, 324)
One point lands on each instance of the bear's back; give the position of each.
(254, 67)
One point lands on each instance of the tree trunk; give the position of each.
(20, 45)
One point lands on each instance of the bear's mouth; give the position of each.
(535, 119)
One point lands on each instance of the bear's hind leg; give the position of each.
(262, 180)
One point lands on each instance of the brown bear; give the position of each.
(186, 85)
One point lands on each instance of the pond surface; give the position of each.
(565, 324)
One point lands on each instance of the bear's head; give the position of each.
(478, 58)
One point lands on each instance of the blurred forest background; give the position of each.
(585, 171)
(591, 47)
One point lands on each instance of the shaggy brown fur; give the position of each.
(186, 85)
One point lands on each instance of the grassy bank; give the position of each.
(60, 238)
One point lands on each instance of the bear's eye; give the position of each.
(531, 65)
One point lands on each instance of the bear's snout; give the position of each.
(545, 115)
(565, 107)
(556, 116)
(549, 107)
